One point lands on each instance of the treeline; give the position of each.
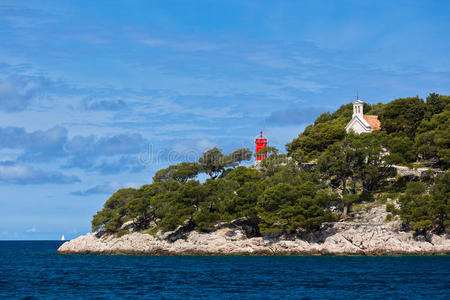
(271, 199)
(282, 195)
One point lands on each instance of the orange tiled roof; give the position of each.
(373, 122)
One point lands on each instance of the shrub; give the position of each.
(122, 232)
(390, 207)
(389, 218)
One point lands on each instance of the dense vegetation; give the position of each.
(425, 211)
(282, 195)
(415, 130)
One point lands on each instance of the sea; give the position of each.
(33, 270)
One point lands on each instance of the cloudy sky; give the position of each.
(98, 95)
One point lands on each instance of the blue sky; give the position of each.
(98, 95)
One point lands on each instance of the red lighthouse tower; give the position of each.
(260, 144)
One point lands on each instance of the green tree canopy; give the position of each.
(423, 211)
(213, 162)
(240, 155)
(327, 130)
(403, 116)
(181, 172)
(114, 211)
(433, 140)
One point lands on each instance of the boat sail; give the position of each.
(62, 238)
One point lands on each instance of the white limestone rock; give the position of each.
(367, 234)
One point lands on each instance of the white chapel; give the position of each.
(361, 123)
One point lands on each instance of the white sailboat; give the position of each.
(62, 238)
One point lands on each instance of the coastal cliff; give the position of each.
(367, 233)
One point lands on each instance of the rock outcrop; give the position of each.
(366, 234)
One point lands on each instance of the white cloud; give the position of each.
(13, 173)
(307, 85)
(17, 93)
(106, 188)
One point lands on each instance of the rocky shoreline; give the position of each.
(365, 234)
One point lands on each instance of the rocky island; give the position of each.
(380, 188)
(367, 234)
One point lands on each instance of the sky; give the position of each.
(98, 95)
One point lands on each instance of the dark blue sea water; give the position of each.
(33, 270)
